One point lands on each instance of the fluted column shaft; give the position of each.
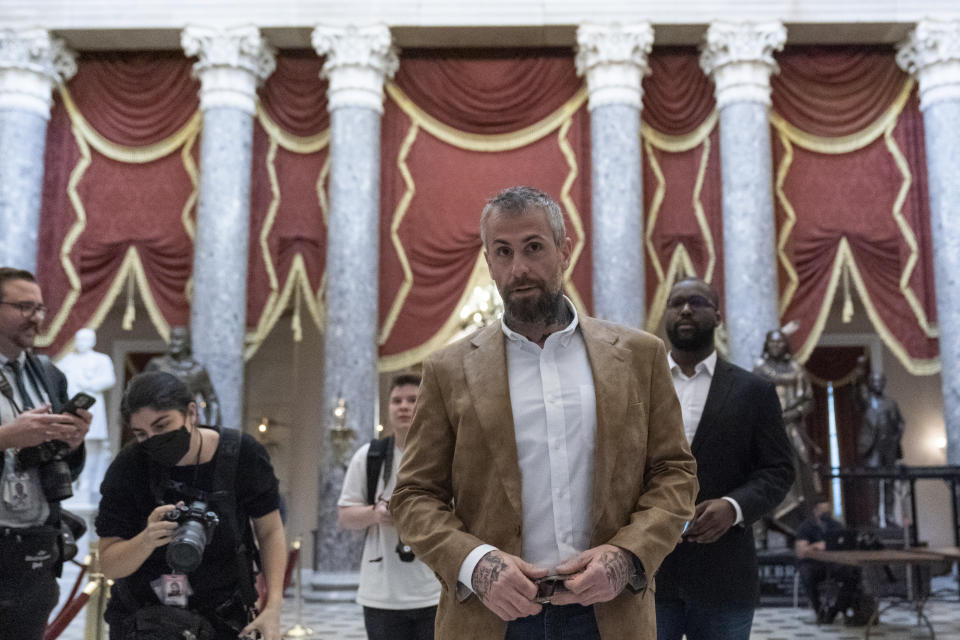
(614, 61)
(739, 57)
(932, 54)
(358, 61)
(31, 65)
(231, 62)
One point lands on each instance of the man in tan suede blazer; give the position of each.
(547, 445)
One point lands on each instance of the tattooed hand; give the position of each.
(503, 584)
(602, 573)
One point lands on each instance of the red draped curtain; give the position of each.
(681, 177)
(119, 192)
(288, 198)
(851, 198)
(458, 127)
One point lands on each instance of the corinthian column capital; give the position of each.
(231, 64)
(31, 64)
(614, 60)
(739, 57)
(358, 61)
(931, 53)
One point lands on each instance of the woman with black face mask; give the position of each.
(174, 518)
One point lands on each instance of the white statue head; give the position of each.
(84, 340)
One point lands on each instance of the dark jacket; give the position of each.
(742, 452)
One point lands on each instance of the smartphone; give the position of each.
(80, 401)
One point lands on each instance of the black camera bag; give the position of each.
(160, 622)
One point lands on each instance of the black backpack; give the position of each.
(379, 456)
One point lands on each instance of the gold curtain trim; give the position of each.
(398, 214)
(296, 144)
(123, 153)
(677, 144)
(405, 359)
(297, 283)
(793, 280)
(278, 300)
(853, 141)
(131, 271)
(850, 378)
(845, 259)
(907, 232)
(186, 155)
(481, 142)
(562, 119)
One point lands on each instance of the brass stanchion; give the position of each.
(99, 591)
(299, 630)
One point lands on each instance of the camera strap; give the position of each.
(379, 457)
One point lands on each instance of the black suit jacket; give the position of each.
(55, 384)
(742, 452)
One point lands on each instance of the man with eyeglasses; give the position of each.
(707, 588)
(33, 435)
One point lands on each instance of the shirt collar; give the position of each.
(564, 334)
(708, 364)
(22, 358)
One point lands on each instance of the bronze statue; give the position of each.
(796, 400)
(179, 361)
(880, 432)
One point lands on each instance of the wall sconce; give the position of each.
(264, 426)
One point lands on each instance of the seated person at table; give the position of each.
(831, 587)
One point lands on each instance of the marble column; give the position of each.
(614, 60)
(31, 64)
(739, 59)
(230, 64)
(932, 54)
(357, 62)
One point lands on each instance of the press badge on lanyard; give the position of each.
(172, 589)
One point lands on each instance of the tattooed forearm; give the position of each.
(618, 568)
(487, 572)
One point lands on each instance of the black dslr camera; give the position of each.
(49, 457)
(196, 524)
(54, 471)
(405, 552)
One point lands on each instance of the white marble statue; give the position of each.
(92, 373)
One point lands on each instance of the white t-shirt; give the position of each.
(387, 583)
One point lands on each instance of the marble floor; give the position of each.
(344, 621)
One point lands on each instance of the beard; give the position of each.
(542, 307)
(700, 339)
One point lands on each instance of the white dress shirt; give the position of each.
(692, 392)
(553, 403)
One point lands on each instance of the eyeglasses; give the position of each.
(695, 302)
(28, 309)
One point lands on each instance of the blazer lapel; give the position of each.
(608, 365)
(716, 396)
(485, 368)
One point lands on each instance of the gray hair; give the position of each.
(516, 201)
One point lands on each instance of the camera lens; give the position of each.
(56, 481)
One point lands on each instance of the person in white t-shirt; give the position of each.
(398, 592)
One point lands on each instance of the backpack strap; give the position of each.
(379, 457)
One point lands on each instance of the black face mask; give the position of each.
(168, 448)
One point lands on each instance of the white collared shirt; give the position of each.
(553, 403)
(692, 392)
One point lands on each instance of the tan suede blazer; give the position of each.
(459, 483)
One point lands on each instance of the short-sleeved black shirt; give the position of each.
(127, 500)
